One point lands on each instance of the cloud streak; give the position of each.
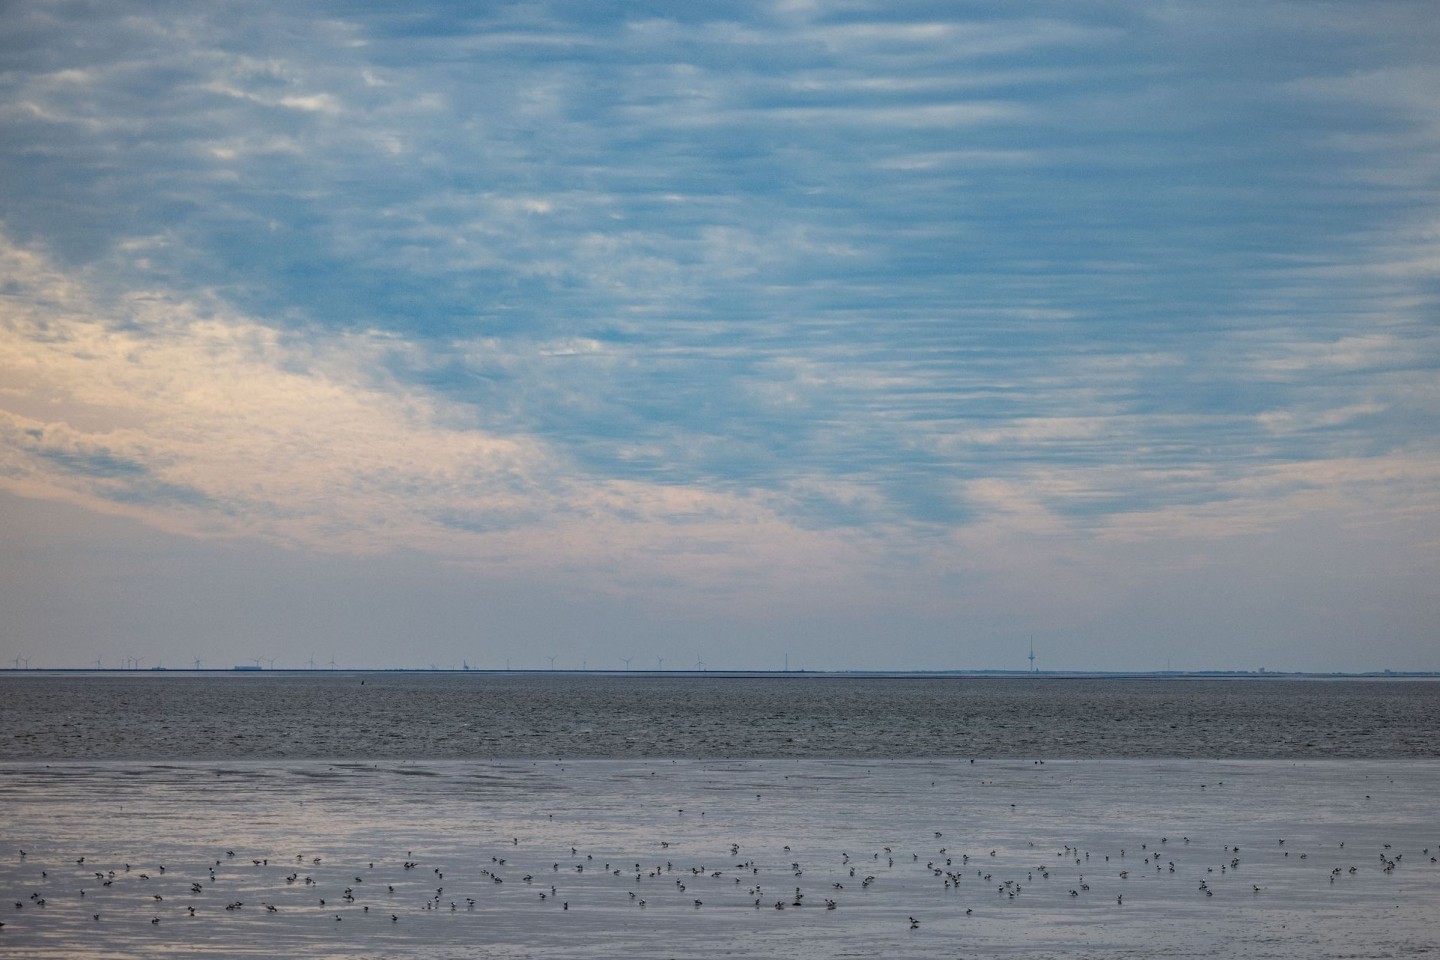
(801, 299)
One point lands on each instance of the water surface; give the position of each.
(413, 716)
(336, 815)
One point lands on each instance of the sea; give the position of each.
(528, 815)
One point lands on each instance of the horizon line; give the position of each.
(1261, 673)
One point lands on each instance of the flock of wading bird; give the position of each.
(943, 880)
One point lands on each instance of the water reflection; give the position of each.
(526, 858)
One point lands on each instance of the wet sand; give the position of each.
(528, 858)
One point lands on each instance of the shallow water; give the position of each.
(296, 788)
(413, 716)
(584, 826)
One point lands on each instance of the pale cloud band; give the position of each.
(929, 307)
(199, 420)
(202, 421)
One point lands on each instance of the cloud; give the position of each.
(738, 297)
(202, 421)
(287, 437)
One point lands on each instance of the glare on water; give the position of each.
(662, 858)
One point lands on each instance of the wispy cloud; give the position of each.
(202, 421)
(736, 295)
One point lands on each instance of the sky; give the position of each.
(836, 335)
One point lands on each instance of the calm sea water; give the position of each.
(429, 817)
(480, 716)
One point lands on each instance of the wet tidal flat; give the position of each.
(744, 858)
(615, 816)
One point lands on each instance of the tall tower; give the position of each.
(1032, 654)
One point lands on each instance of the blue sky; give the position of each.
(881, 335)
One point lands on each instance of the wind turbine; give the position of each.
(331, 664)
(659, 664)
(15, 663)
(98, 664)
(626, 661)
(311, 662)
(197, 663)
(269, 660)
(699, 664)
(136, 661)
(257, 661)
(552, 662)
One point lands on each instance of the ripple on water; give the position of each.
(1020, 823)
(484, 716)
